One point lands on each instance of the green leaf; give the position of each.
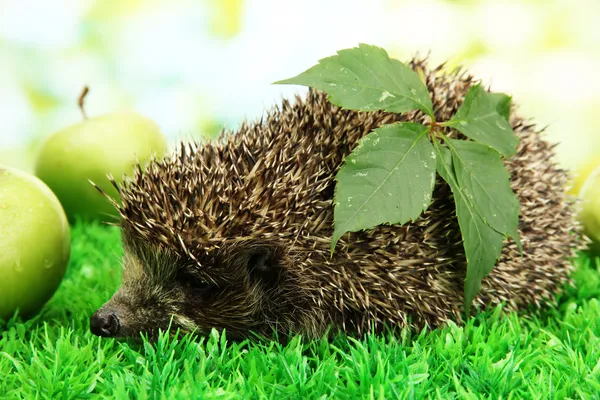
(365, 78)
(479, 119)
(502, 103)
(486, 182)
(483, 244)
(388, 178)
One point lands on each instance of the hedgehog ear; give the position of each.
(262, 262)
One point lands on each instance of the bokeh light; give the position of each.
(196, 66)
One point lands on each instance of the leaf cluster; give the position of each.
(390, 176)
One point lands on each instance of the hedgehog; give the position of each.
(234, 234)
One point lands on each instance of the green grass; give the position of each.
(555, 354)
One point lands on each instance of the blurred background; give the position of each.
(196, 66)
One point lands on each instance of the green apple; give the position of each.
(579, 175)
(590, 207)
(91, 149)
(34, 243)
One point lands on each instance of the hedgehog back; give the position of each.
(274, 180)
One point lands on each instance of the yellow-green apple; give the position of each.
(34, 243)
(90, 150)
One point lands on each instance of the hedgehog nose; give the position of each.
(104, 324)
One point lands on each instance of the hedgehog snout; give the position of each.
(105, 323)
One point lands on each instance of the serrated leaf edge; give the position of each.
(463, 196)
(426, 131)
(452, 122)
(505, 234)
(423, 107)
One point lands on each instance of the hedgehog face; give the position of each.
(238, 288)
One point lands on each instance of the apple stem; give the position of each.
(81, 100)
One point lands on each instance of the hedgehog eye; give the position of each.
(203, 289)
(195, 283)
(202, 285)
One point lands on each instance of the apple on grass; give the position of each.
(90, 150)
(35, 243)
